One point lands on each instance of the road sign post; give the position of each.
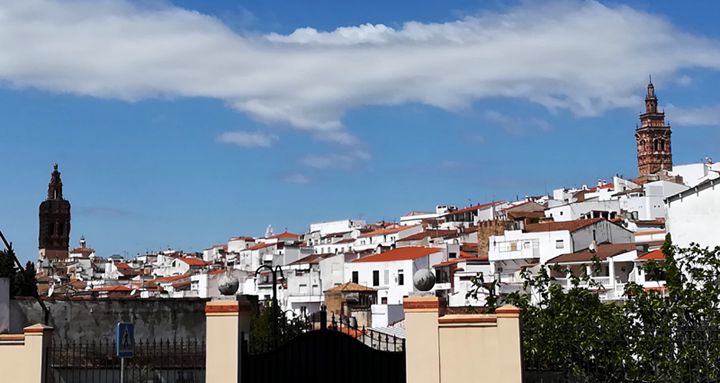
(125, 345)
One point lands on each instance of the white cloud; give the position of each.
(700, 116)
(340, 161)
(568, 55)
(248, 139)
(515, 125)
(296, 178)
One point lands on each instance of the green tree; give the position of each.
(261, 328)
(649, 336)
(22, 282)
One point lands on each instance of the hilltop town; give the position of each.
(364, 270)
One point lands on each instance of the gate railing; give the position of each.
(166, 360)
(319, 321)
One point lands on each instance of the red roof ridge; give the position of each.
(473, 208)
(655, 255)
(387, 230)
(563, 225)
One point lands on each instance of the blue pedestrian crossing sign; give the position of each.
(125, 340)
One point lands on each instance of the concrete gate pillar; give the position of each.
(226, 320)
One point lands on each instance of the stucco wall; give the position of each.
(693, 217)
(461, 348)
(21, 355)
(96, 319)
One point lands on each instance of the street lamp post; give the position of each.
(275, 307)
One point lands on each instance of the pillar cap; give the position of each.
(224, 307)
(508, 311)
(37, 329)
(423, 303)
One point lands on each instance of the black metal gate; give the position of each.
(166, 361)
(333, 352)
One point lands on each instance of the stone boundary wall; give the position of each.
(93, 319)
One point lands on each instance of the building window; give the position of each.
(560, 243)
(355, 277)
(376, 278)
(386, 277)
(401, 278)
(384, 300)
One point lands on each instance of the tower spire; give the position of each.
(55, 185)
(654, 150)
(651, 100)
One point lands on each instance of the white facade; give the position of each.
(692, 216)
(334, 227)
(392, 279)
(576, 210)
(462, 283)
(695, 174)
(384, 238)
(238, 244)
(332, 270)
(303, 293)
(517, 245)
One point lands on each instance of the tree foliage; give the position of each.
(22, 282)
(261, 328)
(649, 336)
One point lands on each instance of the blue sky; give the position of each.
(180, 124)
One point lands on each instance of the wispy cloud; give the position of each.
(515, 125)
(571, 55)
(296, 178)
(339, 161)
(248, 139)
(695, 116)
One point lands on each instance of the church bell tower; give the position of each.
(654, 150)
(54, 238)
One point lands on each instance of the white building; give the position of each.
(334, 227)
(454, 279)
(391, 272)
(695, 174)
(384, 238)
(538, 243)
(616, 268)
(692, 215)
(302, 290)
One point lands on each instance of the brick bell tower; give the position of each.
(654, 150)
(54, 238)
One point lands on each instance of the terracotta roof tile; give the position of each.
(431, 234)
(260, 246)
(655, 255)
(194, 261)
(286, 234)
(472, 208)
(389, 230)
(171, 278)
(604, 251)
(349, 287)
